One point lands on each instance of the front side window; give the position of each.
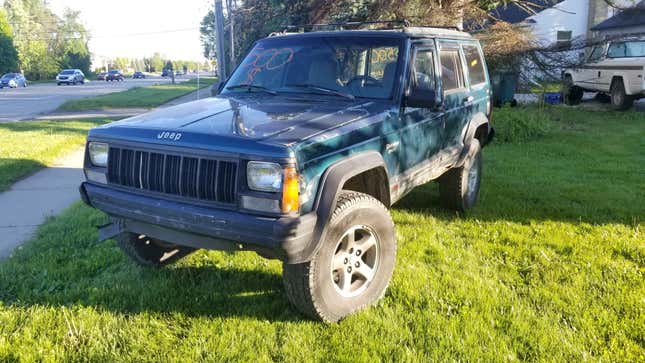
(476, 73)
(356, 66)
(452, 77)
(596, 53)
(423, 70)
(626, 49)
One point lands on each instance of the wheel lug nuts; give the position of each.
(357, 264)
(351, 250)
(345, 260)
(349, 268)
(358, 252)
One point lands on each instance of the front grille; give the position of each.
(199, 178)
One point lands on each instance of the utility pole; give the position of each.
(219, 40)
(231, 19)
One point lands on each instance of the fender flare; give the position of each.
(330, 186)
(469, 134)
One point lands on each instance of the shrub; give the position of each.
(521, 123)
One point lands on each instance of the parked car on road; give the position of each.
(138, 75)
(166, 72)
(101, 76)
(70, 76)
(13, 80)
(114, 75)
(615, 68)
(299, 157)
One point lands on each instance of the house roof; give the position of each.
(513, 13)
(633, 16)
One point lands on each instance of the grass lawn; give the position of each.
(550, 266)
(28, 146)
(151, 96)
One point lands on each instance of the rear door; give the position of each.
(457, 100)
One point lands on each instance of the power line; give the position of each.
(43, 36)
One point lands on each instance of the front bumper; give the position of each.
(284, 238)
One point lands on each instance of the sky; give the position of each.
(138, 28)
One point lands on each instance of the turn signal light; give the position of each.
(290, 190)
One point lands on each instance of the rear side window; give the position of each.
(452, 76)
(476, 74)
(626, 49)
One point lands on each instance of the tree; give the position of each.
(8, 52)
(156, 63)
(45, 42)
(73, 49)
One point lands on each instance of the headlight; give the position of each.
(266, 177)
(98, 153)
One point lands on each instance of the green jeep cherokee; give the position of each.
(299, 156)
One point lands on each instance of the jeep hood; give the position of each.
(277, 120)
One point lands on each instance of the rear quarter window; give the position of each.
(475, 64)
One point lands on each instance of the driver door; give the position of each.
(422, 129)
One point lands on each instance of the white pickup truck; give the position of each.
(614, 68)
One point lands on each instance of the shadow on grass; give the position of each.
(190, 291)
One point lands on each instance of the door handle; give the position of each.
(599, 74)
(469, 99)
(392, 146)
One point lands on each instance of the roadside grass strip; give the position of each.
(138, 97)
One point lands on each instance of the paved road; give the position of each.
(27, 103)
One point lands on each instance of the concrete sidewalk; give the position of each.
(30, 201)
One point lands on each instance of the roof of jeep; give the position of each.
(404, 32)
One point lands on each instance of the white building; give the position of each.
(560, 21)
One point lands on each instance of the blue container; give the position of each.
(553, 98)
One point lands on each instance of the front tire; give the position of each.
(353, 265)
(147, 251)
(459, 187)
(620, 101)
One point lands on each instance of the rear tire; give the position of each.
(146, 251)
(571, 94)
(353, 265)
(459, 187)
(620, 101)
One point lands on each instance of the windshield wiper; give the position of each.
(250, 87)
(330, 91)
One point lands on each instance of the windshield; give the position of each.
(627, 49)
(67, 72)
(340, 65)
(114, 72)
(9, 76)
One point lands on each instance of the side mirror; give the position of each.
(421, 98)
(217, 87)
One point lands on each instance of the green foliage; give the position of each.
(522, 123)
(8, 52)
(45, 42)
(28, 146)
(548, 267)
